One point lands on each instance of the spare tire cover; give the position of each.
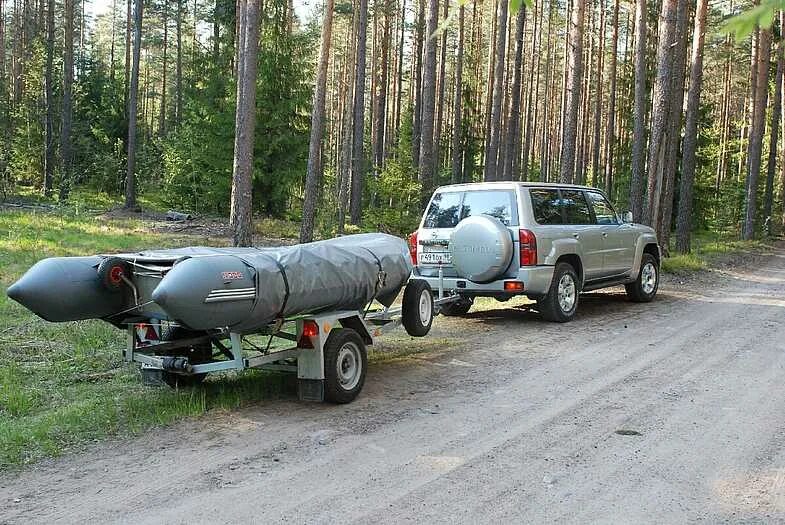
(481, 248)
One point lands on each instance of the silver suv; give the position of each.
(546, 241)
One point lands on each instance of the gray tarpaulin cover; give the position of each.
(340, 273)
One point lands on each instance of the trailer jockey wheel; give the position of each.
(345, 363)
(111, 272)
(197, 354)
(417, 309)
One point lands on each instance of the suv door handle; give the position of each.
(604, 234)
(576, 235)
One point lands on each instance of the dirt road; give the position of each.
(668, 412)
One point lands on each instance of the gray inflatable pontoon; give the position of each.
(200, 288)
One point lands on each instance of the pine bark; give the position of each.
(128, 65)
(684, 220)
(639, 113)
(440, 105)
(417, 60)
(133, 95)
(457, 124)
(49, 147)
(313, 176)
(495, 128)
(245, 119)
(514, 122)
(380, 115)
(757, 130)
(427, 162)
(610, 130)
(776, 116)
(162, 114)
(659, 113)
(573, 92)
(673, 126)
(178, 88)
(66, 147)
(358, 154)
(596, 138)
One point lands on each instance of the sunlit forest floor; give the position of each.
(65, 385)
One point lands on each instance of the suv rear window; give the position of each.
(447, 209)
(575, 207)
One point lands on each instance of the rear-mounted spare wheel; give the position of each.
(481, 248)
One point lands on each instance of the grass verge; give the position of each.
(709, 248)
(65, 385)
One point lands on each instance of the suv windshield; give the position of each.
(447, 209)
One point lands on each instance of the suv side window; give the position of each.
(496, 203)
(603, 211)
(575, 207)
(545, 205)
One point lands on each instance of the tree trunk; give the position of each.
(457, 124)
(491, 154)
(358, 154)
(49, 156)
(776, 115)
(596, 138)
(178, 107)
(380, 115)
(417, 94)
(133, 95)
(440, 105)
(427, 162)
(66, 149)
(757, 130)
(573, 92)
(245, 121)
(684, 221)
(659, 113)
(610, 130)
(313, 175)
(673, 126)
(216, 32)
(345, 167)
(639, 113)
(513, 125)
(533, 91)
(162, 115)
(128, 26)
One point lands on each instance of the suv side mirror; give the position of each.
(626, 216)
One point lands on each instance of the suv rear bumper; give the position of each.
(536, 281)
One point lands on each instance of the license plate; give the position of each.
(435, 258)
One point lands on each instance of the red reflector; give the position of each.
(513, 286)
(151, 334)
(413, 247)
(310, 328)
(528, 247)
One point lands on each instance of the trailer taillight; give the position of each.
(528, 247)
(413, 247)
(310, 329)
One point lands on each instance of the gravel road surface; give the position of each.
(668, 412)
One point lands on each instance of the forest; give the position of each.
(344, 115)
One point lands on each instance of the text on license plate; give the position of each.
(435, 258)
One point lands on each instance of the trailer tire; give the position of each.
(417, 309)
(345, 364)
(196, 354)
(458, 308)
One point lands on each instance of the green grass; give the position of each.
(65, 385)
(707, 249)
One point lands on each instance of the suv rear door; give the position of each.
(579, 222)
(450, 206)
(619, 241)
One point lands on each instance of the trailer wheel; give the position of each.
(197, 354)
(345, 363)
(417, 308)
(111, 272)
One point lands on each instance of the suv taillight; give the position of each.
(528, 247)
(413, 247)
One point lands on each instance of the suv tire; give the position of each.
(458, 308)
(561, 303)
(644, 287)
